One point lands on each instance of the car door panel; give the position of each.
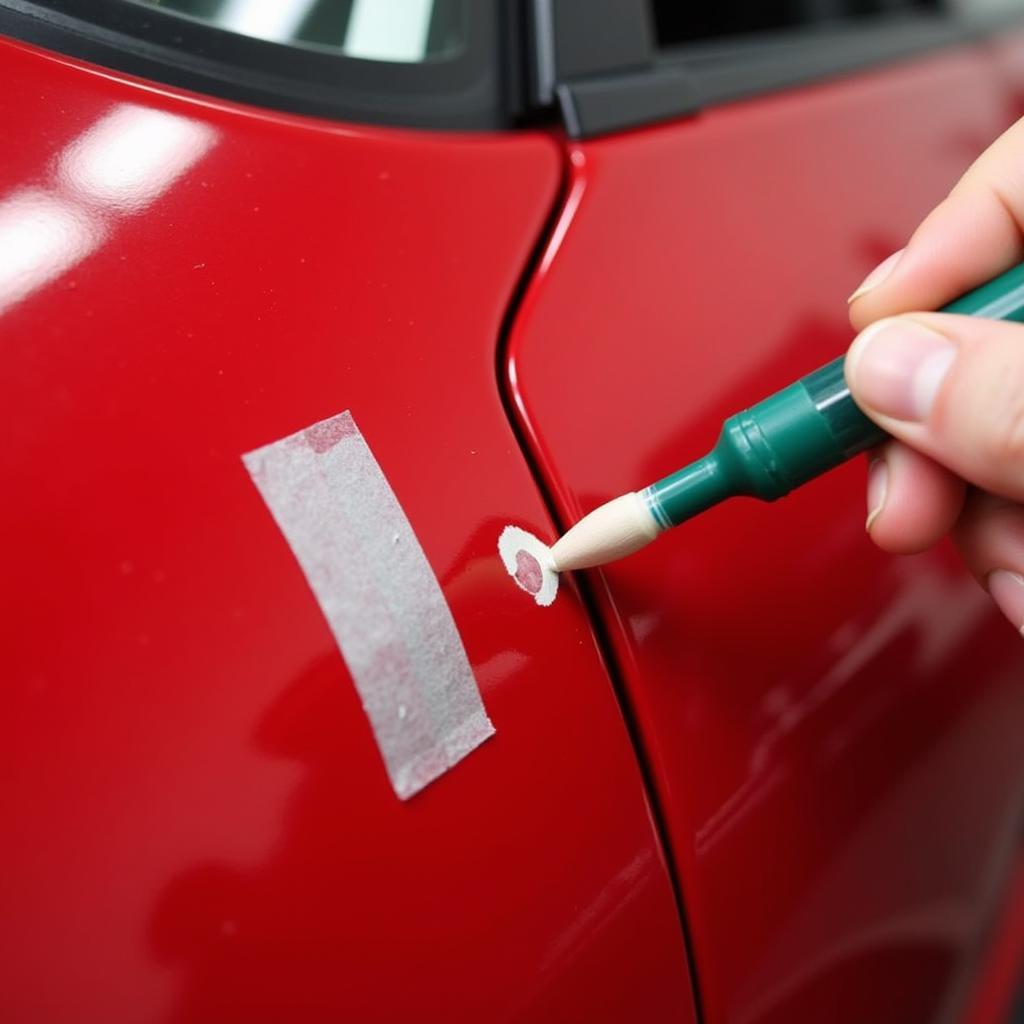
(832, 733)
(204, 828)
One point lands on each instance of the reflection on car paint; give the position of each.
(119, 165)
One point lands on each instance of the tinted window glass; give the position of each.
(405, 31)
(682, 21)
(983, 7)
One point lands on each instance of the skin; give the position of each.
(950, 389)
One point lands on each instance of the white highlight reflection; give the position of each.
(265, 19)
(41, 236)
(132, 155)
(128, 158)
(395, 31)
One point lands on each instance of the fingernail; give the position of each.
(897, 367)
(878, 487)
(1007, 590)
(877, 276)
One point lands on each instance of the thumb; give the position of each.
(950, 386)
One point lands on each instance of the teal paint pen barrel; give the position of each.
(801, 431)
(771, 448)
(765, 451)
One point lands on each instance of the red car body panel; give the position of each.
(203, 828)
(834, 734)
(200, 827)
(996, 987)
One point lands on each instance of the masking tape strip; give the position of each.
(379, 595)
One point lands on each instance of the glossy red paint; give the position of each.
(999, 981)
(834, 734)
(199, 824)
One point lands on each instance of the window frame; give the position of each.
(474, 90)
(599, 93)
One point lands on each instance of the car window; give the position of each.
(676, 22)
(985, 6)
(434, 64)
(613, 64)
(403, 31)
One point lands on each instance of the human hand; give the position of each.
(950, 389)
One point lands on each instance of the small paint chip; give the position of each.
(529, 574)
(528, 561)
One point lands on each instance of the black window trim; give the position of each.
(474, 90)
(594, 62)
(648, 84)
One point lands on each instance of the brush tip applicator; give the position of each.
(763, 452)
(613, 530)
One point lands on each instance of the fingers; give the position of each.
(990, 535)
(952, 387)
(970, 237)
(912, 501)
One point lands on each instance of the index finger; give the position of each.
(975, 233)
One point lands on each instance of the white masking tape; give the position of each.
(379, 595)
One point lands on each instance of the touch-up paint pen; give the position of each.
(765, 452)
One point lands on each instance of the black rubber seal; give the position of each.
(467, 92)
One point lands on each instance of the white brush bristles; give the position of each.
(613, 530)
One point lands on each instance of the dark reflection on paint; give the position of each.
(234, 931)
(300, 935)
(924, 967)
(278, 940)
